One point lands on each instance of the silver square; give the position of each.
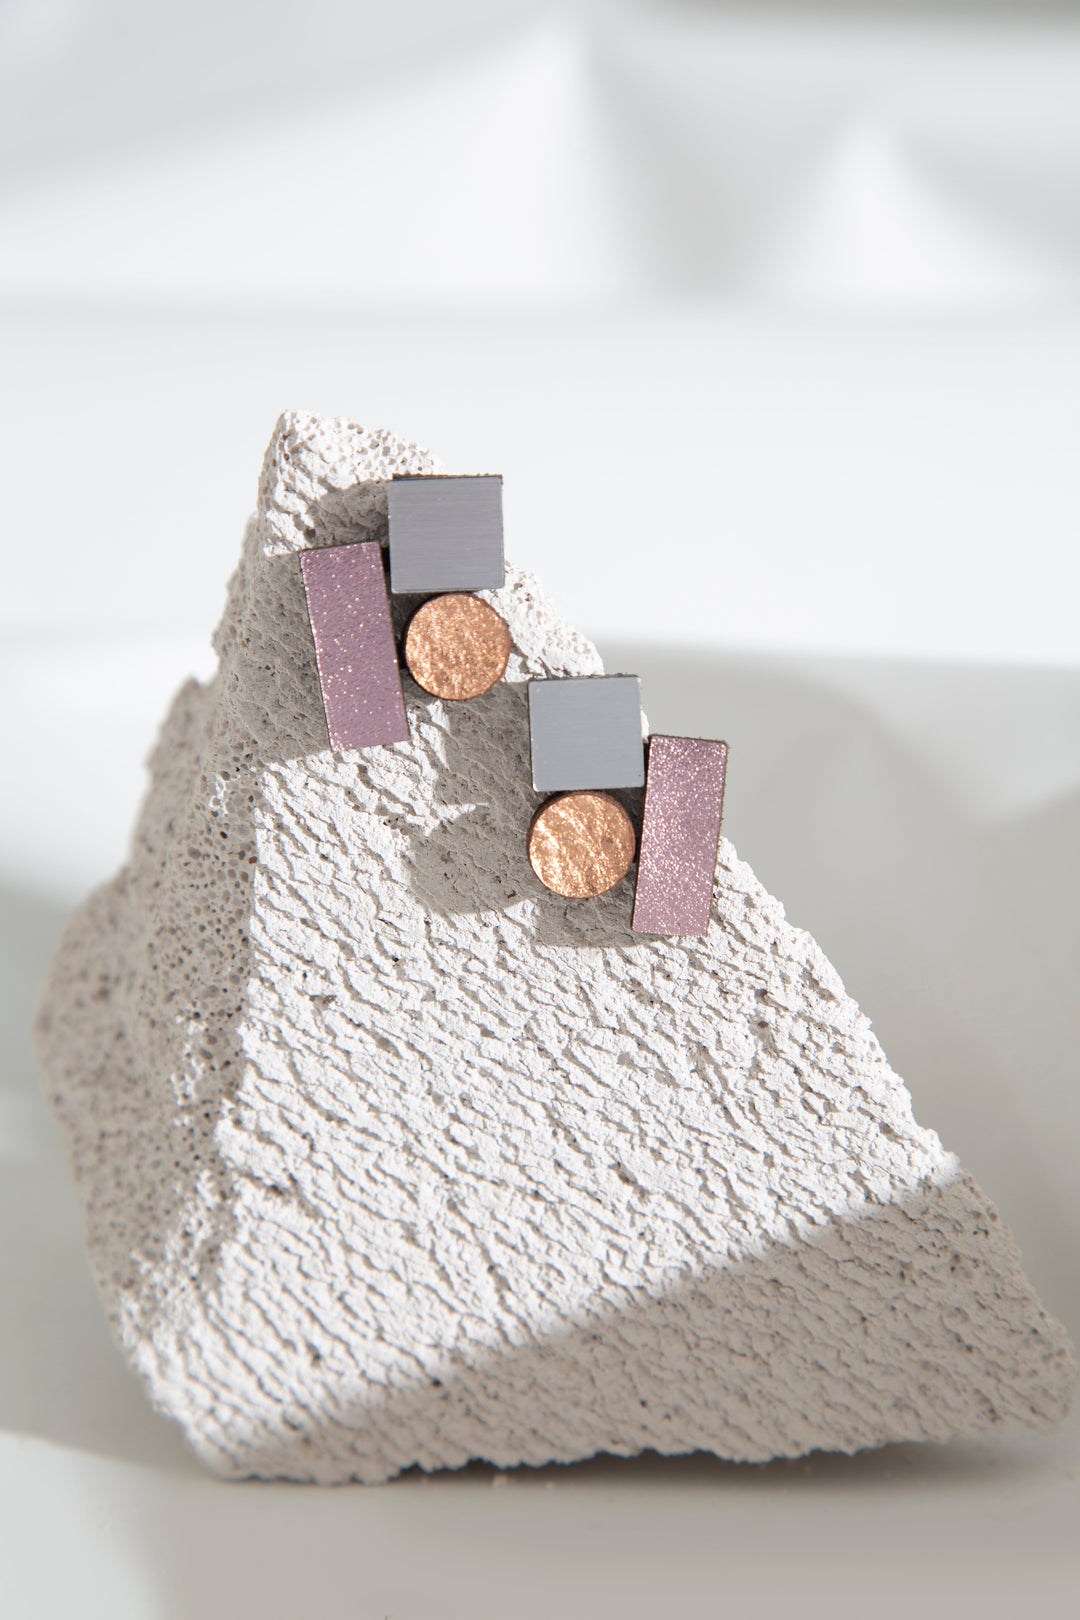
(586, 733)
(446, 534)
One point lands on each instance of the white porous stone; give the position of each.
(391, 1157)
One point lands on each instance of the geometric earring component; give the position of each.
(456, 646)
(680, 834)
(354, 645)
(585, 732)
(581, 844)
(446, 534)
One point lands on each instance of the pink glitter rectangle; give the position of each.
(354, 645)
(680, 833)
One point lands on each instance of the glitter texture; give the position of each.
(680, 832)
(456, 647)
(354, 645)
(581, 844)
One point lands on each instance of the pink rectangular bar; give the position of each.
(354, 645)
(680, 833)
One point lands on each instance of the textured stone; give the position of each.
(390, 1156)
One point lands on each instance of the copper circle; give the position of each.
(456, 647)
(581, 844)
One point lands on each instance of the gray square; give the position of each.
(586, 733)
(446, 534)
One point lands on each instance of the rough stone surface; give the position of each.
(390, 1157)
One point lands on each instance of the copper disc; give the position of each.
(456, 647)
(581, 844)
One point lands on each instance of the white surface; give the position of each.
(921, 468)
(551, 155)
(886, 489)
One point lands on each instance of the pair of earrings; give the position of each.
(446, 542)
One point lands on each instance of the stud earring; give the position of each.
(357, 662)
(446, 536)
(585, 736)
(680, 835)
(457, 647)
(581, 844)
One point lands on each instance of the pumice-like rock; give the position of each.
(390, 1156)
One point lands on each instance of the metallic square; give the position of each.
(354, 645)
(680, 832)
(446, 534)
(586, 733)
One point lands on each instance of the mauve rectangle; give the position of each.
(354, 645)
(680, 834)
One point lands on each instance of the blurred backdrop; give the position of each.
(768, 315)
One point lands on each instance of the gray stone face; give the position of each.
(389, 1156)
(446, 534)
(586, 733)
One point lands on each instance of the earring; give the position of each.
(357, 662)
(457, 646)
(581, 844)
(680, 835)
(585, 736)
(446, 536)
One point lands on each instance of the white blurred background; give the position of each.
(769, 316)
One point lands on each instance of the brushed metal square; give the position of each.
(586, 733)
(446, 534)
